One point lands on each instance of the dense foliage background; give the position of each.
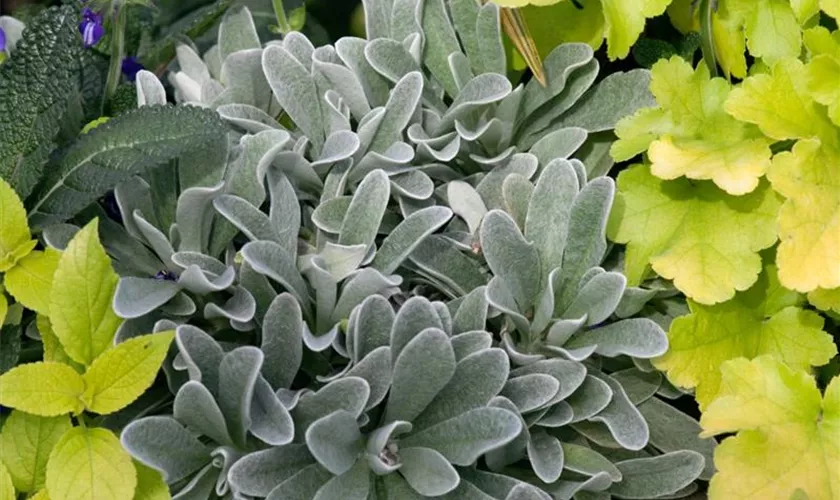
(511, 250)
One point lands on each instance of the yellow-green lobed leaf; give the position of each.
(788, 436)
(46, 389)
(765, 320)
(90, 464)
(81, 313)
(693, 233)
(15, 240)
(123, 373)
(690, 134)
(26, 443)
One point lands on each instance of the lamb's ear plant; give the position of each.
(429, 316)
(51, 439)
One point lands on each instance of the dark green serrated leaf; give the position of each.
(128, 145)
(36, 86)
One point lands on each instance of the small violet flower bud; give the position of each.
(2, 45)
(130, 67)
(91, 27)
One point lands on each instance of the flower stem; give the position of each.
(117, 56)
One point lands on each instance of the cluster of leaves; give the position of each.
(404, 292)
(737, 204)
(82, 371)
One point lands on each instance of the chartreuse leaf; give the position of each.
(823, 70)
(41, 495)
(625, 21)
(826, 300)
(80, 301)
(788, 436)
(30, 281)
(809, 221)
(780, 104)
(770, 26)
(121, 374)
(7, 489)
(4, 308)
(89, 463)
(27, 441)
(693, 233)
(619, 21)
(46, 389)
(15, 240)
(764, 320)
(53, 350)
(690, 134)
(150, 484)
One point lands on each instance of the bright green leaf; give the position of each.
(47, 389)
(30, 281)
(763, 320)
(14, 230)
(693, 233)
(7, 489)
(4, 308)
(41, 495)
(625, 21)
(788, 436)
(80, 303)
(121, 374)
(90, 464)
(690, 134)
(27, 441)
(150, 484)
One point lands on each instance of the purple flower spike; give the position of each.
(2, 40)
(91, 27)
(130, 67)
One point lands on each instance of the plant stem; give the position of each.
(117, 56)
(280, 14)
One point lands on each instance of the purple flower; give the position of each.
(130, 67)
(91, 27)
(2, 40)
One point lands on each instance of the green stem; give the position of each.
(280, 14)
(117, 56)
(707, 42)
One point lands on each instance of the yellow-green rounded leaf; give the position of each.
(150, 484)
(30, 281)
(788, 435)
(625, 21)
(14, 230)
(4, 308)
(46, 388)
(122, 374)
(26, 443)
(80, 303)
(90, 464)
(41, 495)
(7, 489)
